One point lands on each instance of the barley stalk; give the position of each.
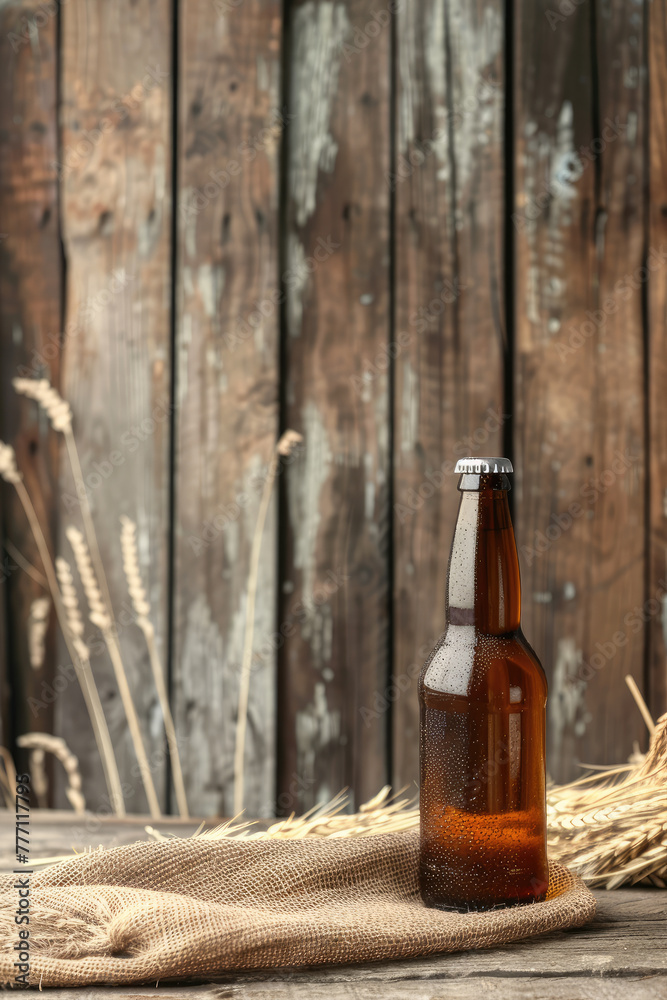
(128, 542)
(10, 473)
(100, 616)
(285, 445)
(57, 746)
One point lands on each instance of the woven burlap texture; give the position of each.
(180, 909)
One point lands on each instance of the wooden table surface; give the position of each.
(621, 954)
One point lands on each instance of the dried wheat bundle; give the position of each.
(611, 829)
(43, 742)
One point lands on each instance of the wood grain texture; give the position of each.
(30, 309)
(335, 568)
(652, 987)
(657, 355)
(579, 369)
(449, 308)
(230, 132)
(115, 168)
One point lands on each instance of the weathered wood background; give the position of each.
(408, 231)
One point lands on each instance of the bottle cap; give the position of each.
(480, 466)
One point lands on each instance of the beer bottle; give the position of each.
(482, 695)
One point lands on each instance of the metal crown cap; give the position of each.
(477, 466)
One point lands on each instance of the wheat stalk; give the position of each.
(285, 445)
(88, 686)
(55, 745)
(10, 473)
(100, 617)
(25, 564)
(128, 543)
(38, 779)
(8, 778)
(60, 415)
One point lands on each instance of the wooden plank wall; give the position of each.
(230, 121)
(578, 364)
(450, 311)
(30, 320)
(656, 358)
(335, 573)
(116, 204)
(408, 232)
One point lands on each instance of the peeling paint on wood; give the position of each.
(227, 382)
(578, 375)
(319, 28)
(449, 303)
(116, 218)
(336, 493)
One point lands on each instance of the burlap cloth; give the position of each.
(180, 909)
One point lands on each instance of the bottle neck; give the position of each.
(483, 586)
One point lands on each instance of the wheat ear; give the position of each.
(38, 623)
(99, 616)
(89, 688)
(128, 544)
(43, 742)
(285, 445)
(10, 473)
(60, 414)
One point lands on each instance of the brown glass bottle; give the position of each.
(483, 696)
